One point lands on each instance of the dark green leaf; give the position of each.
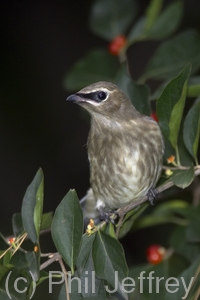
(191, 130)
(190, 282)
(138, 94)
(97, 65)
(193, 231)
(67, 228)
(90, 284)
(75, 290)
(183, 178)
(170, 106)
(86, 247)
(109, 260)
(17, 224)
(194, 87)
(130, 218)
(27, 261)
(137, 32)
(22, 285)
(114, 20)
(171, 267)
(46, 220)
(152, 13)
(171, 56)
(179, 243)
(110, 230)
(167, 22)
(32, 207)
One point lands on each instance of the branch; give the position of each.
(124, 210)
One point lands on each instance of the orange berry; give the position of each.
(155, 254)
(117, 44)
(171, 159)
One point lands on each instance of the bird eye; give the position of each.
(102, 96)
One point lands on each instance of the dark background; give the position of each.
(40, 41)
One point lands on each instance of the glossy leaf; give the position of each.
(32, 207)
(67, 228)
(109, 260)
(130, 218)
(90, 284)
(22, 285)
(86, 247)
(46, 220)
(27, 261)
(167, 22)
(170, 106)
(114, 20)
(152, 13)
(191, 130)
(183, 178)
(75, 293)
(171, 56)
(96, 66)
(137, 93)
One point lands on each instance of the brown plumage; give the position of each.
(125, 148)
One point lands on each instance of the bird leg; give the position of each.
(152, 195)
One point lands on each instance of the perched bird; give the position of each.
(125, 148)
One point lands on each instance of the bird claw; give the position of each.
(152, 195)
(108, 216)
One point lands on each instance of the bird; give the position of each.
(125, 148)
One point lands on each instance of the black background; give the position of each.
(40, 41)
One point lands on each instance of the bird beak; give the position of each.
(75, 98)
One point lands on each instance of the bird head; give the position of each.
(104, 98)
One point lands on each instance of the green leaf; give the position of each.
(194, 87)
(17, 224)
(22, 285)
(191, 281)
(46, 220)
(75, 290)
(32, 207)
(171, 56)
(191, 130)
(152, 13)
(114, 20)
(97, 65)
(193, 231)
(137, 93)
(86, 247)
(27, 261)
(137, 32)
(167, 22)
(109, 260)
(67, 228)
(170, 106)
(183, 178)
(180, 244)
(130, 218)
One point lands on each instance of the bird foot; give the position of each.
(108, 216)
(152, 195)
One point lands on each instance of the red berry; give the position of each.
(117, 44)
(155, 254)
(154, 116)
